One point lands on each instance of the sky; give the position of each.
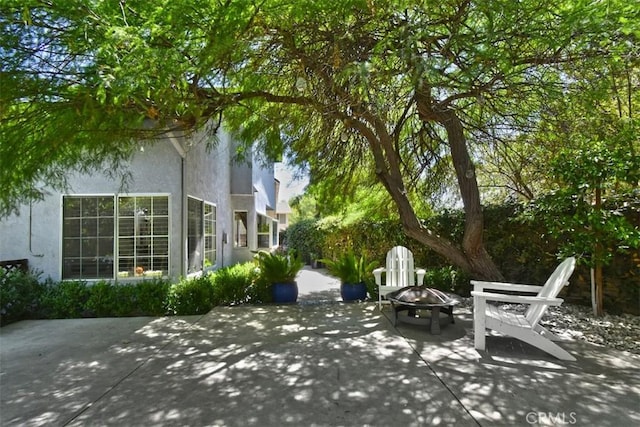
(289, 186)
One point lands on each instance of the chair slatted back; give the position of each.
(399, 267)
(558, 279)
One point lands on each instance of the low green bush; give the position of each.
(151, 296)
(260, 291)
(108, 299)
(20, 294)
(191, 296)
(64, 300)
(231, 285)
(102, 300)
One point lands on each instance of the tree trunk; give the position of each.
(480, 263)
(472, 257)
(597, 263)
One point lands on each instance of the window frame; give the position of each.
(116, 256)
(108, 258)
(236, 233)
(211, 250)
(195, 235)
(261, 232)
(206, 240)
(153, 236)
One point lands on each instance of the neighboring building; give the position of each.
(283, 211)
(185, 209)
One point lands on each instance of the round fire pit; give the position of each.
(413, 298)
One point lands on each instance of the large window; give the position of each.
(201, 230)
(100, 235)
(195, 232)
(210, 255)
(87, 237)
(264, 231)
(240, 229)
(143, 236)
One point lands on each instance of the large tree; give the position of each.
(392, 87)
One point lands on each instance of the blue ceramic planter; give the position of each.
(353, 292)
(284, 292)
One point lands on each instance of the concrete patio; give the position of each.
(317, 363)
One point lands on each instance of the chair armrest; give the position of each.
(517, 287)
(377, 274)
(518, 299)
(420, 272)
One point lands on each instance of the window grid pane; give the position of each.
(264, 232)
(209, 235)
(143, 236)
(195, 231)
(87, 237)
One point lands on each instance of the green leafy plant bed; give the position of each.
(353, 273)
(279, 271)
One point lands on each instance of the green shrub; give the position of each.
(191, 296)
(260, 291)
(350, 268)
(231, 285)
(306, 238)
(113, 300)
(372, 288)
(102, 300)
(151, 297)
(448, 279)
(65, 300)
(276, 267)
(20, 295)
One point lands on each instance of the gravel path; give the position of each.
(578, 322)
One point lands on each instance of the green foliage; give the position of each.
(103, 299)
(231, 285)
(277, 267)
(448, 279)
(305, 237)
(586, 211)
(108, 299)
(191, 296)
(65, 300)
(380, 99)
(260, 291)
(151, 296)
(349, 268)
(20, 294)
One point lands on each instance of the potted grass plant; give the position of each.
(352, 272)
(280, 270)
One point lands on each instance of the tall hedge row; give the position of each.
(523, 251)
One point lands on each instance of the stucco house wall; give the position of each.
(253, 189)
(176, 167)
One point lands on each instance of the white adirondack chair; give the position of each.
(399, 272)
(524, 327)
